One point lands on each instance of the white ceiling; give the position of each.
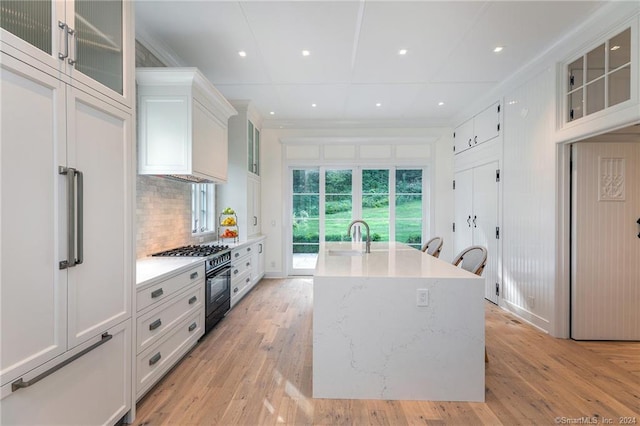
(354, 61)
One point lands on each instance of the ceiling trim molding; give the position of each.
(158, 48)
(359, 140)
(418, 123)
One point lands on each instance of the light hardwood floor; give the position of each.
(254, 368)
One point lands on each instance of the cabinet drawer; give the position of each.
(153, 325)
(238, 252)
(239, 266)
(160, 357)
(164, 289)
(238, 284)
(94, 389)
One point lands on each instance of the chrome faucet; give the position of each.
(368, 243)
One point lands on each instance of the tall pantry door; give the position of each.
(605, 270)
(99, 146)
(33, 290)
(476, 218)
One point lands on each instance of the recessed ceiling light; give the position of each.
(440, 103)
(242, 53)
(306, 53)
(498, 49)
(616, 47)
(313, 105)
(271, 113)
(378, 104)
(402, 52)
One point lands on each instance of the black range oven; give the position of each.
(217, 288)
(217, 281)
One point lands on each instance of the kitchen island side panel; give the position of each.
(372, 341)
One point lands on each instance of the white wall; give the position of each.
(274, 180)
(534, 199)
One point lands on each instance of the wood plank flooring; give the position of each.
(254, 368)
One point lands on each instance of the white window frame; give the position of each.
(203, 203)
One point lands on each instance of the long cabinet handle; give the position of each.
(75, 217)
(469, 221)
(74, 34)
(80, 217)
(64, 27)
(474, 221)
(20, 384)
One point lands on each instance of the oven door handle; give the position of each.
(219, 271)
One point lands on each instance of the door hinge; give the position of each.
(454, 135)
(454, 184)
(454, 148)
(498, 175)
(571, 114)
(497, 232)
(498, 126)
(498, 107)
(571, 81)
(454, 227)
(497, 289)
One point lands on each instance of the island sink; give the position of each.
(376, 337)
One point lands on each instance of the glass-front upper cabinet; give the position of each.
(601, 78)
(86, 40)
(253, 149)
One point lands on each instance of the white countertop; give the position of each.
(388, 259)
(152, 269)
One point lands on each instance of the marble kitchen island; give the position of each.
(371, 340)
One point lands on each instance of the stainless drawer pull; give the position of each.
(235, 272)
(235, 290)
(194, 275)
(236, 255)
(193, 326)
(247, 280)
(155, 358)
(157, 293)
(248, 263)
(248, 248)
(19, 384)
(157, 323)
(193, 300)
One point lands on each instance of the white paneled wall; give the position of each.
(529, 185)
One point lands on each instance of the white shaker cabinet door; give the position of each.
(99, 145)
(32, 287)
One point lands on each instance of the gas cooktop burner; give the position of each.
(192, 251)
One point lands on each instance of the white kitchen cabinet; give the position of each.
(243, 190)
(483, 127)
(253, 148)
(170, 320)
(476, 218)
(90, 42)
(67, 246)
(257, 261)
(182, 125)
(254, 189)
(93, 389)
